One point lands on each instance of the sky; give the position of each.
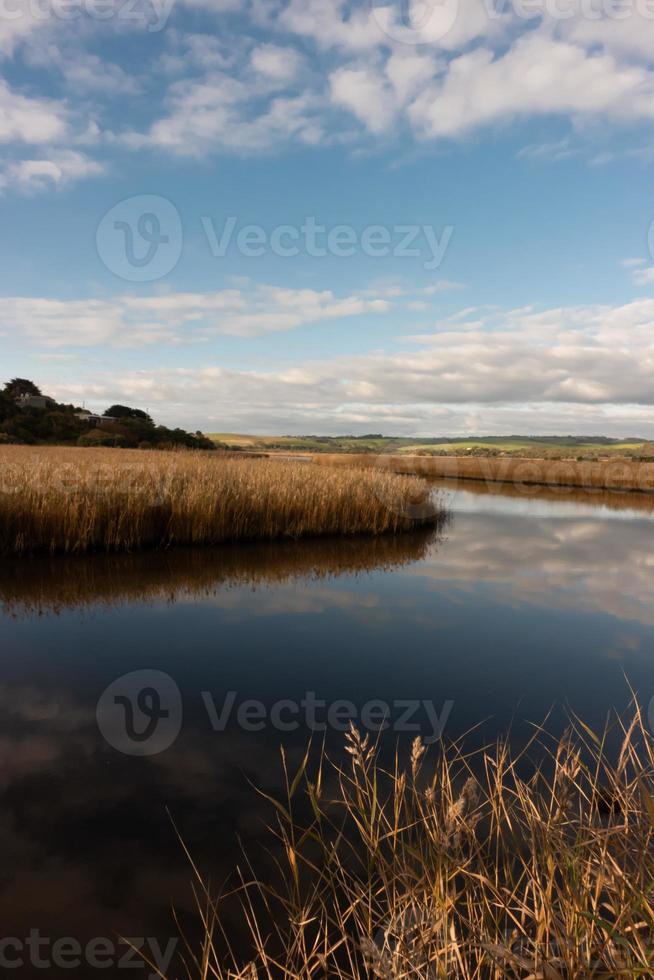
(310, 216)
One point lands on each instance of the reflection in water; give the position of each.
(551, 554)
(527, 601)
(553, 500)
(40, 585)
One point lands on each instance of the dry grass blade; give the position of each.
(82, 500)
(436, 872)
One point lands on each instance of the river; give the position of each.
(142, 696)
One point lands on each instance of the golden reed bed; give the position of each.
(461, 865)
(80, 500)
(612, 475)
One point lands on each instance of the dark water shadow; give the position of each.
(39, 585)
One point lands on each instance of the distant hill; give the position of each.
(455, 445)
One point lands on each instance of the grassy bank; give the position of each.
(457, 867)
(81, 500)
(618, 474)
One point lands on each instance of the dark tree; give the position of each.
(125, 412)
(21, 386)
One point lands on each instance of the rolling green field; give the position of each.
(529, 445)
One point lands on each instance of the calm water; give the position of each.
(522, 604)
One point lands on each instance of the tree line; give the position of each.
(61, 424)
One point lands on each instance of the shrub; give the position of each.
(99, 437)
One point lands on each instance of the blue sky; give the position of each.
(436, 217)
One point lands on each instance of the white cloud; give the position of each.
(536, 76)
(408, 72)
(375, 94)
(219, 399)
(583, 368)
(551, 151)
(235, 114)
(327, 23)
(334, 24)
(231, 91)
(364, 93)
(630, 36)
(203, 51)
(29, 120)
(174, 318)
(19, 22)
(87, 73)
(56, 169)
(278, 63)
(328, 56)
(644, 277)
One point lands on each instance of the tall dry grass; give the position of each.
(80, 500)
(619, 474)
(460, 867)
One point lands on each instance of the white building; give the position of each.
(34, 401)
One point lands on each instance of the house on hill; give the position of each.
(35, 401)
(96, 420)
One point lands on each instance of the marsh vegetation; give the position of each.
(467, 866)
(618, 474)
(82, 500)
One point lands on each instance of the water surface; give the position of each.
(524, 602)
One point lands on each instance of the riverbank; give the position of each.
(619, 474)
(65, 500)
